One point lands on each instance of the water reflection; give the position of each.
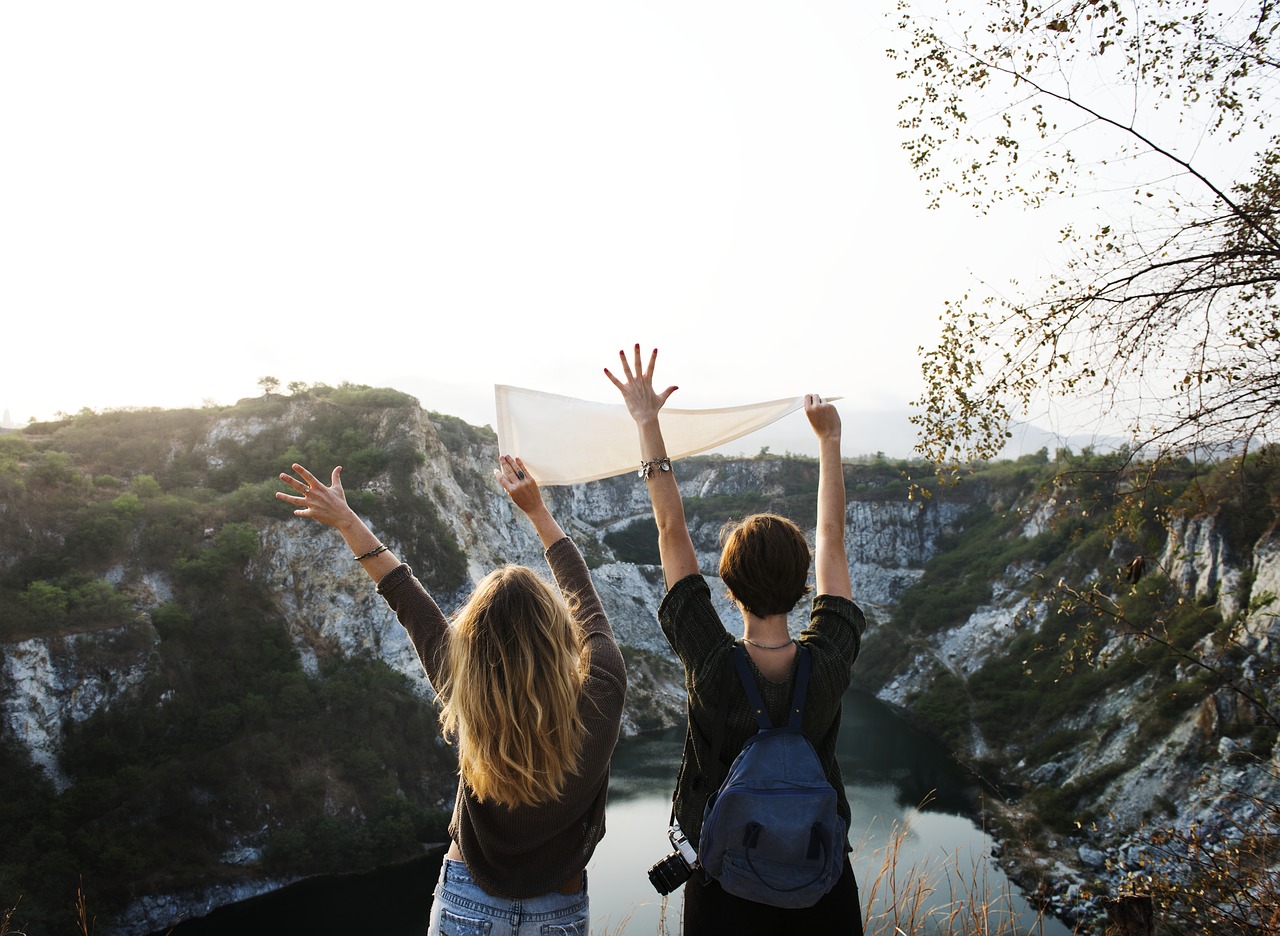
(900, 786)
(876, 746)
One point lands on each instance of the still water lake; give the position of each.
(889, 770)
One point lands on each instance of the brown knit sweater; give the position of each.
(696, 634)
(525, 851)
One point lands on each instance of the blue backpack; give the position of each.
(771, 832)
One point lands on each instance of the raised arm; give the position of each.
(327, 504)
(830, 560)
(675, 546)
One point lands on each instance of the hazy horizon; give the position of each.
(866, 431)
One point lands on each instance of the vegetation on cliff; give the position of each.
(228, 740)
(1131, 646)
(139, 527)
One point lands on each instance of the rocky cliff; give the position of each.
(1166, 760)
(1125, 768)
(331, 610)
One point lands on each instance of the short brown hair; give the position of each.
(764, 562)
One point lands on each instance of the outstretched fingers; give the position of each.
(627, 372)
(301, 484)
(647, 372)
(653, 359)
(310, 479)
(314, 498)
(637, 372)
(641, 371)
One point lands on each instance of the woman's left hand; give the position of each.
(518, 483)
(323, 503)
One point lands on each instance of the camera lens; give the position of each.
(668, 874)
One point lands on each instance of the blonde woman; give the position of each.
(532, 684)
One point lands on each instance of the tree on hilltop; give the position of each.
(1164, 311)
(269, 385)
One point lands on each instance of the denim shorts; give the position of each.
(462, 908)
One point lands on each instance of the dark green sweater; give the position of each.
(698, 637)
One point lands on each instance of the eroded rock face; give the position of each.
(51, 682)
(331, 610)
(1196, 557)
(1263, 620)
(330, 607)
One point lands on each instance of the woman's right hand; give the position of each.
(643, 402)
(519, 484)
(823, 417)
(525, 494)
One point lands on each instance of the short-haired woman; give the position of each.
(532, 685)
(764, 564)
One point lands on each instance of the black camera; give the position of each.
(673, 870)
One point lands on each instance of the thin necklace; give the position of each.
(765, 647)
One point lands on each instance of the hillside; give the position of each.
(200, 690)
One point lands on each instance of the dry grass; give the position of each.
(4, 924)
(82, 912)
(900, 900)
(83, 920)
(944, 898)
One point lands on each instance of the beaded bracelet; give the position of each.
(373, 552)
(647, 468)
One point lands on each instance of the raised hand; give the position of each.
(519, 484)
(643, 402)
(525, 494)
(323, 503)
(823, 417)
(675, 546)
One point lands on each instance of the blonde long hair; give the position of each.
(511, 693)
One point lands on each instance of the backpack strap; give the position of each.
(799, 691)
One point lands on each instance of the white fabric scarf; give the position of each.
(563, 440)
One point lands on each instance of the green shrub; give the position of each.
(944, 708)
(51, 468)
(1059, 807)
(169, 529)
(456, 435)
(144, 486)
(637, 542)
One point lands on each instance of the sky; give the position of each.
(441, 197)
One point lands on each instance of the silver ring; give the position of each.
(520, 474)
